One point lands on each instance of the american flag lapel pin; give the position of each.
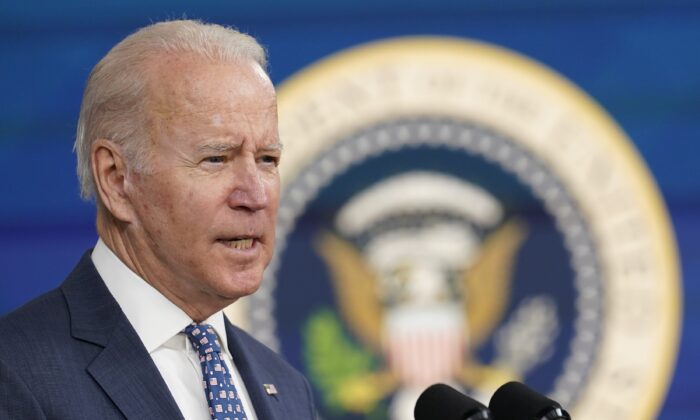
(270, 389)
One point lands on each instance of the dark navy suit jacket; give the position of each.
(72, 354)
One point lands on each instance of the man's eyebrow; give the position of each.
(225, 147)
(276, 147)
(220, 147)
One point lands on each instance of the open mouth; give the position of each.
(238, 243)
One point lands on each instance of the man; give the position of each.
(177, 142)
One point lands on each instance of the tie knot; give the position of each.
(203, 338)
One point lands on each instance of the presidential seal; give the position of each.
(454, 212)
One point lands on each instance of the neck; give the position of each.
(136, 255)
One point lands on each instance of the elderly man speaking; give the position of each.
(178, 144)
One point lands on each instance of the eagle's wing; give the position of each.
(487, 282)
(355, 288)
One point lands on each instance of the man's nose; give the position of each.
(250, 189)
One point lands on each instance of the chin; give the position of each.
(240, 285)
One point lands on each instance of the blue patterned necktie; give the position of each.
(222, 396)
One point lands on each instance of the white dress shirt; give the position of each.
(159, 322)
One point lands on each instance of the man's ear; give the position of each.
(109, 173)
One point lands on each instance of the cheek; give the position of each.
(273, 190)
(157, 204)
(273, 206)
(195, 212)
(186, 210)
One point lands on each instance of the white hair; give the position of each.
(113, 104)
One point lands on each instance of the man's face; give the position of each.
(205, 208)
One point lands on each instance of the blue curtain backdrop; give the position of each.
(640, 60)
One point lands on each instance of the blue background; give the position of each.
(640, 60)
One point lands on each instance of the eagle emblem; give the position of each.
(421, 266)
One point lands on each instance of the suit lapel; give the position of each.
(127, 374)
(123, 368)
(254, 375)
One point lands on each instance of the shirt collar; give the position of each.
(155, 318)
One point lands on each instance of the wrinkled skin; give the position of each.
(211, 177)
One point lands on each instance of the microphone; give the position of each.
(515, 401)
(442, 402)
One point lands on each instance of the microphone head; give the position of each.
(442, 402)
(515, 401)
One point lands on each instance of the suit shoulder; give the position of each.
(48, 314)
(263, 353)
(44, 315)
(256, 346)
(44, 309)
(295, 393)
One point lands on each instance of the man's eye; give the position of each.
(270, 159)
(215, 159)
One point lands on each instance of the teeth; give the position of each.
(240, 243)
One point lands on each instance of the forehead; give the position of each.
(181, 85)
